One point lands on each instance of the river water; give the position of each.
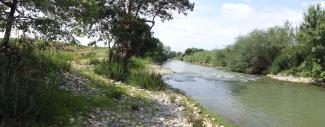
(248, 100)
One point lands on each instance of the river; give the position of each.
(248, 100)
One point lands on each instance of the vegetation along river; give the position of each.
(249, 100)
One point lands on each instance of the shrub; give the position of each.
(280, 63)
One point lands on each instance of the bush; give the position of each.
(280, 63)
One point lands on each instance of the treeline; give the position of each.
(284, 49)
(31, 73)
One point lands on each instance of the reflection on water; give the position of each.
(250, 101)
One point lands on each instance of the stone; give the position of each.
(71, 120)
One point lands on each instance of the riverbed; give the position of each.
(249, 100)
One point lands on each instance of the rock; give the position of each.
(75, 84)
(117, 83)
(71, 120)
(62, 87)
(162, 119)
(98, 111)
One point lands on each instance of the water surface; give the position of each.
(248, 100)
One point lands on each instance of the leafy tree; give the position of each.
(29, 79)
(191, 51)
(125, 26)
(311, 36)
(312, 33)
(46, 19)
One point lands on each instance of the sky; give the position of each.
(216, 23)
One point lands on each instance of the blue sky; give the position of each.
(216, 23)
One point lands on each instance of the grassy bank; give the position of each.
(79, 88)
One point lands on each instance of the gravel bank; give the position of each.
(139, 107)
(292, 79)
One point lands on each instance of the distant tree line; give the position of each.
(284, 49)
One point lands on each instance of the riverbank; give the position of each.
(133, 105)
(290, 78)
(280, 77)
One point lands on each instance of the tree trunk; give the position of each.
(10, 22)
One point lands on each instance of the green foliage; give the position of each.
(25, 16)
(146, 80)
(94, 61)
(276, 50)
(29, 94)
(157, 51)
(253, 53)
(198, 123)
(191, 51)
(138, 63)
(113, 69)
(135, 73)
(128, 24)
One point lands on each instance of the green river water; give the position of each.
(248, 100)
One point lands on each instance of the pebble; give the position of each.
(76, 84)
(154, 110)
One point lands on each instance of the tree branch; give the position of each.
(138, 9)
(6, 3)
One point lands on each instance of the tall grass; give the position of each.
(146, 80)
(134, 73)
(28, 89)
(115, 70)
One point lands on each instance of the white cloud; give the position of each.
(236, 10)
(307, 4)
(209, 28)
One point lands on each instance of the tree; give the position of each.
(191, 51)
(46, 19)
(311, 36)
(125, 25)
(312, 33)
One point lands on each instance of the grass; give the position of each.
(135, 73)
(29, 89)
(32, 97)
(114, 70)
(146, 80)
